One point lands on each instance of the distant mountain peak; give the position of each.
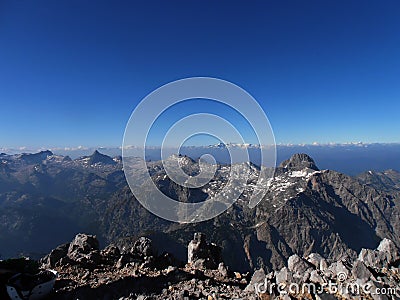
(183, 159)
(67, 158)
(299, 162)
(98, 157)
(35, 158)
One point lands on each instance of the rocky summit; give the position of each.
(374, 274)
(138, 270)
(299, 162)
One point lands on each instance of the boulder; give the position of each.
(371, 258)
(84, 250)
(316, 277)
(143, 247)
(318, 261)
(300, 268)
(386, 255)
(360, 271)
(55, 256)
(222, 269)
(339, 270)
(200, 264)
(83, 244)
(110, 254)
(136, 247)
(196, 247)
(283, 276)
(202, 254)
(257, 278)
(390, 250)
(298, 265)
(111, 251)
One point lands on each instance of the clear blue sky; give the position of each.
(71, 72)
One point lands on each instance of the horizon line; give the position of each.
(249, 145)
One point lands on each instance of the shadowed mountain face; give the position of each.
(97, 157)
(388, 180)
(46, 199)
(299, 162)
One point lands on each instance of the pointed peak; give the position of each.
(299, 161)
(67, 158)
(98, 157)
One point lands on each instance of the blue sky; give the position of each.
(71, 72)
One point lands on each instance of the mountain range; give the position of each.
(348, 158)
(46, 199)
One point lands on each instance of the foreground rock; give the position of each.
(375, 274)
(136, 270)
(384, 256)
(203, 255)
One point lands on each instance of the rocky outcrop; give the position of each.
(83, 250)
(55, 256)
(299, 162)
(375, 274)
(202, 254)
(385, 255)
(135, 272)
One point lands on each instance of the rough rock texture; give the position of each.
(297, 264)
(387, 181)
(317, 220)
(84, 249)
(317, 261)
(144, 247)
(375, 274)
(257, 278)
(304, 211)
(299, 162)
(130, 276)
(203, 255)
(385, 255)
(51, 260)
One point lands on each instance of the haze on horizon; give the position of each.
(71, 72)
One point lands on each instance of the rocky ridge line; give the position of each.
(136, 270)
